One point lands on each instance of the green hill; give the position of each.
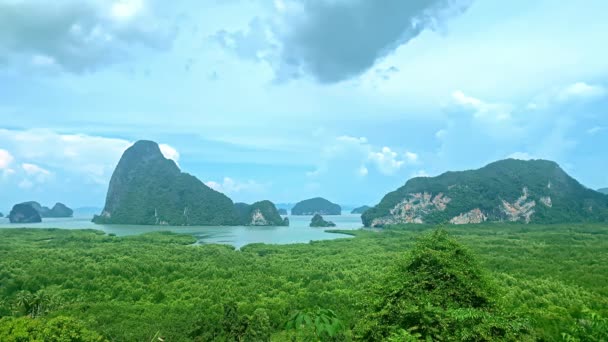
(536, 191)
(603, 190)
(146, 188)
(262, 213)
(316, 205)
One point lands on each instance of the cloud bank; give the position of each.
(334, 40)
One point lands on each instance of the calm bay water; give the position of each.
(297, 232)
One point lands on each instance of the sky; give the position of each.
(291, 99)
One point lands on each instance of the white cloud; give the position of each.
(91, 157)
(348, 154)
(482, 110)
(582, 90)
(521, 156)
(386, 160)
(596, 129)
(25, 184)
(81, 35)
(126, 9)
(35, 170)
(169, 152)
(5, 159)
(43, 60)
(440, 134)
(411, 157)
(230, 186)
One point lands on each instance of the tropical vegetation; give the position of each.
(407, 283)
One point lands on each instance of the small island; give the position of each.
(262, 213)
(58, 210)
(318, 221)
(316, 205)
(1, 215)
(24, 213)
(360, 210)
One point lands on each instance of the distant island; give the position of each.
(535, 191)
(148, 189)
(1, 215)
(316, 205)
(24, 213)
(360, 210)
(318, 221)
(263, 213)
(603, 190)
(283, 212)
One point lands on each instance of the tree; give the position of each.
(439, 292)
(258, 328)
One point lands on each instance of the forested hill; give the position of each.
(603, 190)
(537, 191)
(146, 188)
(316, 205)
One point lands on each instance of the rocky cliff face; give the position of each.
(146, 188)
(24, 213)
(262, 213)
(536, 191)
(473, 216)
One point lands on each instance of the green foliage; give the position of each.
(317, 325)
(485, 189)
(148, 189)
(589, 327)
(58, 329)
(316, 205)
(318, 221)
(440, 292)
(137, 287)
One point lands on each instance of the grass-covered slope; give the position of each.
(536, 191)
(146, 188)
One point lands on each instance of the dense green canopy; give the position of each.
(158, 285)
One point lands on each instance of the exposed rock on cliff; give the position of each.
(536, 191)
(24, 213)
(146, 188)
(316, 205)
(473, 216)
(318, 221)
(521, 209)
(263, 213)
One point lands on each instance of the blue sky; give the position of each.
(289, 99)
